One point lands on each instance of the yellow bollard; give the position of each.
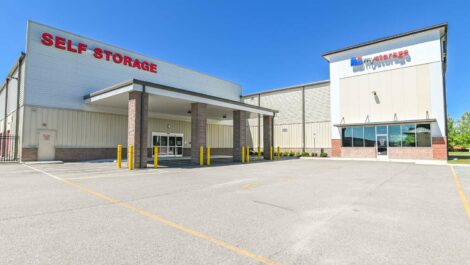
(247, 154)
(155, 156)
(271, 153)
(131, 157)
(119, 156)
(278, 153)
(201, 155)
(243, 154)
(208, 155)
(259, 153)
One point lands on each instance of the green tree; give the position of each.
(463, 130)
(451, 132)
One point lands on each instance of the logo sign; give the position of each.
(61, 43)
(400, 57)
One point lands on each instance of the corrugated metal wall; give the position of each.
(92, 129)
(288, 122)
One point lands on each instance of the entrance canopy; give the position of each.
(171, 101)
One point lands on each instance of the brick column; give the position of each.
(198, 129)
(439, 148)
(137, 127)
(239, 133)
(268, 137)
(336, 147)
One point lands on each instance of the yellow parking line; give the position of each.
(464, 199)
(163, 220)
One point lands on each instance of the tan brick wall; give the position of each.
(359, 152)
(439, 148)
(134, 126)
(29, 154)
(336, 147)
(415, 153)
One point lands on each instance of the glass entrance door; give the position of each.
(382, 145)
(169, 144)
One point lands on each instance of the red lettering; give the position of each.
(70, 48)
(145, 66)
(81, 47)
(128, 61)
(98, 54)
(136, 64)
(400, 54)
(405, 53)
(117, 58)
(108, 54)
(47, 39)
(59, 43)
(153, 68)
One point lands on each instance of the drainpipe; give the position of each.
(18, 81)
(303, 118)
(6, 103)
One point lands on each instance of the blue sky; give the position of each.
(258, 44)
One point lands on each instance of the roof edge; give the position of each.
(286, 88)
(391, 37)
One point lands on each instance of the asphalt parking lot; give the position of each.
(284, 212)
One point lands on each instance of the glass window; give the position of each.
(408, 135)
(394, 136)
(423, 135)
(369, 136)
(381, 129)
(358, 137)
(346, 136)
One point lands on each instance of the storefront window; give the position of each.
(408, 135)
(346, 136)
(369, 136)
(394, 136)
(423, 135)
(358, 137)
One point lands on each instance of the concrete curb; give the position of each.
(417, 162)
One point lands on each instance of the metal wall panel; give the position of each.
(317, 103)
(91, 129)
(12, 93)
(287, 102)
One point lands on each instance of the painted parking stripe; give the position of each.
(162, 220)
(462, 196)
(120, 175)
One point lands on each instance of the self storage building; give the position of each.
(73, 98)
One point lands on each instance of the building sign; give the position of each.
(400, 57)
(61, 43)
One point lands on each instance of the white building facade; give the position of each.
(72, 98)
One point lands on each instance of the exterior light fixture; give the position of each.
(224, 116)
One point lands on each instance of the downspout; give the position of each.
(20, 61)
(303, 118)
(6, 103)
(259, 121)
(142, 148)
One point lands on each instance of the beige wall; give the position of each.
(405, 92)
(91, 129)
(288, 122)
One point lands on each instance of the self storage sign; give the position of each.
(61, 43)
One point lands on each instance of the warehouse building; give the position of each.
(72, 98)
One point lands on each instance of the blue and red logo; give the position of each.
(356, 61)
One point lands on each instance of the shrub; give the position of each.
(458, 148)
(298, 154)
(314, 154)
(305, 154)
(291, 153)
(323, 155)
